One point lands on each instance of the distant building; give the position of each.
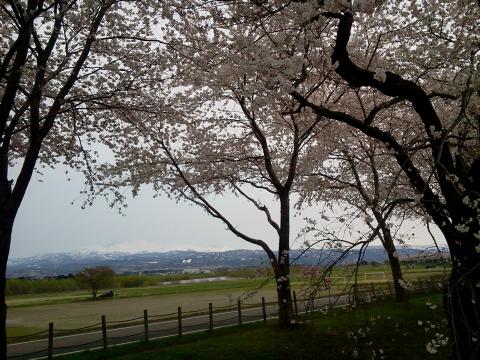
(196, 271)
(427, 257)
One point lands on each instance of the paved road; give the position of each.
(78, 342)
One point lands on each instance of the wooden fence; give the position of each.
(357, 294)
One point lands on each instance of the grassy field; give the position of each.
(53, 285)
(25, 287)
(84, 295)
(32, 312)
(366, 273)
(384, 330)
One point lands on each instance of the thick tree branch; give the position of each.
(259, 206)
(430, 199)
(397, 87)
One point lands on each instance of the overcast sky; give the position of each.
(48, 223)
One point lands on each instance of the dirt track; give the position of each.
(72, 315)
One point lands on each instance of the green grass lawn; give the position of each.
(383, 330)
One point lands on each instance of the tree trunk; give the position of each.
(5, 239)
(285, 309)
(395, 268)
(3, 318)
(398, 284)
(10, 200)
(283, 273)
(462, 300)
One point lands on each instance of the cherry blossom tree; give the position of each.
(417, 60)
(59, 62)
(424, 59)
(250, 151)
(361, 174)
(227, 123)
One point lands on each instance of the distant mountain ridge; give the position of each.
(161, 262)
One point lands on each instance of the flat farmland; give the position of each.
(67, 310)
(27, 316)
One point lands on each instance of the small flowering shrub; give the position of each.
(437, 330)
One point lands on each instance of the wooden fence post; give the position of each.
(264, 310)
(329, 297)
(355, 294)
(373, 291)
(210, 316)
(239, 306)
(104, 332)
(180, 321)
(145, 324)
(295, 303)
(50, 341)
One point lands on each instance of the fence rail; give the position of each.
(146, 327)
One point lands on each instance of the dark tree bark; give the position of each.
(461, 300)
(283, 277)
(6, 223)
(395, 266)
